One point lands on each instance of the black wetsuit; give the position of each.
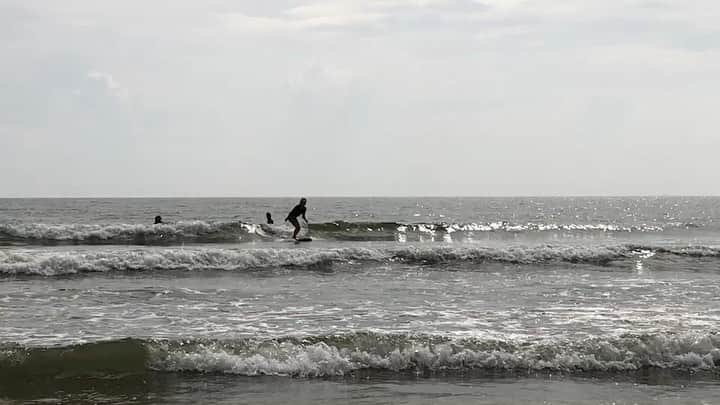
(296, 212)
(292, 217)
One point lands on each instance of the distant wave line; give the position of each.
(233, 232)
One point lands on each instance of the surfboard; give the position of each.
(304, 240)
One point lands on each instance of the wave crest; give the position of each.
(229, 232)
(190, 231)
(52, 263)
(339, 355)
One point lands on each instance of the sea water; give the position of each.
(396, 300)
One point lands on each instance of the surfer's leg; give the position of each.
(296, 224)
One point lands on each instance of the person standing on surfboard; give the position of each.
(299, 210)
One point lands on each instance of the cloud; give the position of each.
(112, 87)
(316, 16)
(241, 23)
(315, 76)
(340, 14)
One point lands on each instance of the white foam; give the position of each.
(49, 263)
(53, 262)
(325, 359)
(88, 232)
(233, 231)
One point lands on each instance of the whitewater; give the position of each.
(412, 300)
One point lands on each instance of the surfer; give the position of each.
(299, 210)
(269, 218)
(158, 220)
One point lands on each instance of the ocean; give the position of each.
(396, 300)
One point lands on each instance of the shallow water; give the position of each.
(421, 389)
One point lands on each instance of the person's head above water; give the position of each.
(158, 219)
(269, 218)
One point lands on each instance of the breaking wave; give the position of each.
(345, 354)
(53, 263)
(691, 251)
(91, 234)
(230, 232)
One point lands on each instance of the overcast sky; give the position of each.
(359, 97)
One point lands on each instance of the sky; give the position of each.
(359, 98)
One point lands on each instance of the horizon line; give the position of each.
(366, 196)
